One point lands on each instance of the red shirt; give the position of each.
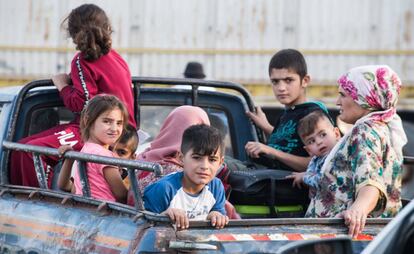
(109, 75)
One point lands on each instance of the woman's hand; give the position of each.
(218, 220)
(355, 220)
(356, 216)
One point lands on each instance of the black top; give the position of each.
(285, 136)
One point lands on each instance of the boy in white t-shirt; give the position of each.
(195, 193)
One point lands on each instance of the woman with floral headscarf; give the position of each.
(362, 174)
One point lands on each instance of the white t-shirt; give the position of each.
(168, 193)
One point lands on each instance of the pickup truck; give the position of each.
(42, 220)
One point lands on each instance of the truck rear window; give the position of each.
(152, 118)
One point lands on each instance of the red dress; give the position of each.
(107, 75)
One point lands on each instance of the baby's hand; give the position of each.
(179, 217)
(63, 149)
(297, 179)
(218, 220)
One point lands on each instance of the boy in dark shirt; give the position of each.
(284, 148)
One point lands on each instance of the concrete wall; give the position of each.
(234, 39)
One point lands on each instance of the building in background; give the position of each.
(234, 39)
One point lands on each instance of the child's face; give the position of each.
(322, 139)
(287, 86)
(199, 170)
(107, 128)
(124, 151)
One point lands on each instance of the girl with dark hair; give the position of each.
(124, 148)
(102, 123)
(95, 69)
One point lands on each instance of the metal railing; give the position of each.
(408, 160)
(131, 165)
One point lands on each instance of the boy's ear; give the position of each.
(180, 156)
(221, 160)
(306, 80)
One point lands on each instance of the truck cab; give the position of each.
(42, 220)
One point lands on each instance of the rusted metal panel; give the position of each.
(268, 235)
(48, 227)
(61, 222)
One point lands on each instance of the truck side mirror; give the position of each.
(340, 245)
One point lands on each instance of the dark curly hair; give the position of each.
(90, 30)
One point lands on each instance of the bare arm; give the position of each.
(355, 217)
(64, 182)
(298, 163)
(113, 178)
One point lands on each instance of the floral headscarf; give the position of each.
(376, 88)
(373, 87)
